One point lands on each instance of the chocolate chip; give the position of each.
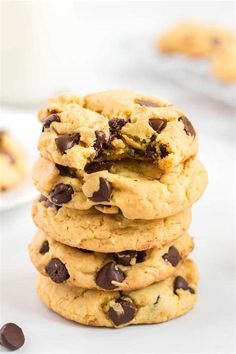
(116, 125)
(96, 166)
(151, 149)
(48, 121)
(163, 151)
(172, 256)
(100, 142)
(107, 274)
(84, 250)
(147, 103)
(11, 336)
(48, 203)
(127, 258)
(61, 193)
(157, 300)
(52, 111)
(141, 256)
(124, 313)
(136, 152)
(44, 247)
(188, 128)
(181, 283)
(42, 198)
(57, 270)
(157, 124)
(104, 192)
(67, 141)
(66, 171)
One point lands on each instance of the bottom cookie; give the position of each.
(156, 303)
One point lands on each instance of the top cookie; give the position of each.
(194, 39)
(113, 125)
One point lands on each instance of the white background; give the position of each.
(108, 36)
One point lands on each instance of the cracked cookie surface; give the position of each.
(156, 303)
(140, 190)
(12, 161)
(113, 125)
(96, 231)
(125, 271)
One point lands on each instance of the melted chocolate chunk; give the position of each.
(66, 171)
(188, 128)
(107, 274)
(57, 270)
(172, 256)
(104, 192)
(116, 125)
(44, 247)
(157, 124)
(123, 315)
(96, 166)
(67, 141)
(181, 283)
(151, 149)
(61, 193)
(100, 143)
(48, 121)
(163, 151)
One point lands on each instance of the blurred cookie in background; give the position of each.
(194, 39)
(224, 63)
(12, 161)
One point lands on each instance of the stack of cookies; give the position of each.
(117, 174)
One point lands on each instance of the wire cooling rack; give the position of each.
(194, 75)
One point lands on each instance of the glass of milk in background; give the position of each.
(37, 50)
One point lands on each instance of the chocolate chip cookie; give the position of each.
(194, 39)
(96, 231)
(156, 303)
(224, 63)
(126, 271)
(12, 161)
(139, 190)
(113, 125)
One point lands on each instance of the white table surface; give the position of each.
(209, 328)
